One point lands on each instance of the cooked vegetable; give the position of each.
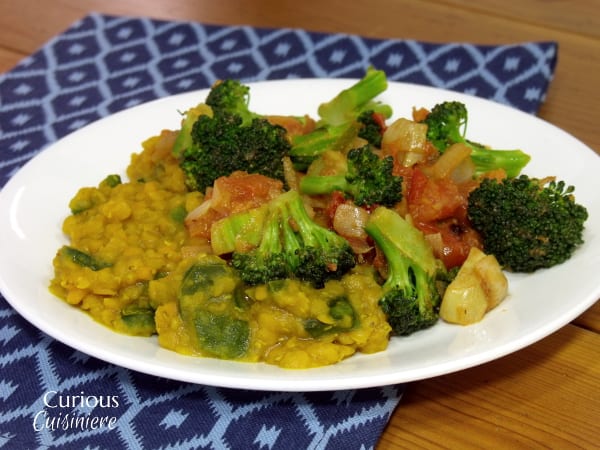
(229, 137)
(351, 102)
(139, 320)
(112, 180)
(298, 241)
(243, 230)
(343, 119)
(411, 297)
(231, 194)
(266, 262)
(231, 97)
(208, 307)
(222, 145)
(406, 141)
(83, 259)
(373, 127)
(306, 148)
(446, 125)
(527, 223)
(293, 245)
(368, 179)
(343, 315)
(479, 286)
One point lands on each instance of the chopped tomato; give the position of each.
(404, 172)
(433, 199)
(237, 192)
(419, 115)
(380, 119)
(457, 240)
(294, 126)
(242, 191)
(200, 226)
(439, 206)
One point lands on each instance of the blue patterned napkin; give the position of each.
(52, 396)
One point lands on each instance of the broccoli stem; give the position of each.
(291, 244)
(323, 184)
(306, 148)
(411, 298)
(299, 230)
(340, 119)
(399, 266)
(326, 184)
(243, 229)
(294, 246)
(485, 160)
(366, 177)
(296, 216)
(345, 105)
(447, 125)
(388, 225)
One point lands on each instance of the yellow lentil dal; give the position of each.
(131, 265)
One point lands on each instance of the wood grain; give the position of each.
(568, 98)
(491, 407)
(590, 319)
(580, 17)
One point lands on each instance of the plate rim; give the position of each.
(297, 383)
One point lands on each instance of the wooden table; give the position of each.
(547, 395)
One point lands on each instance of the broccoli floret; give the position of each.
(372, 127)
(349, 103)
(411, 297)
(266, 262)
(184, 138)
(340, 119)
(222, 144)
(527, 223)
(368, 180)
(447, 124)
(231, 97)
(223, 135)
(294, 246)
(315, 253)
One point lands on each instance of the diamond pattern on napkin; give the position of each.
(103, 64)
(152, 412)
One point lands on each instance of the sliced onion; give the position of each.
(349, 222)
(199, 210)
(452, 158)
(405, 140)
(437, 244)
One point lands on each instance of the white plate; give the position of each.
(34, 202)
